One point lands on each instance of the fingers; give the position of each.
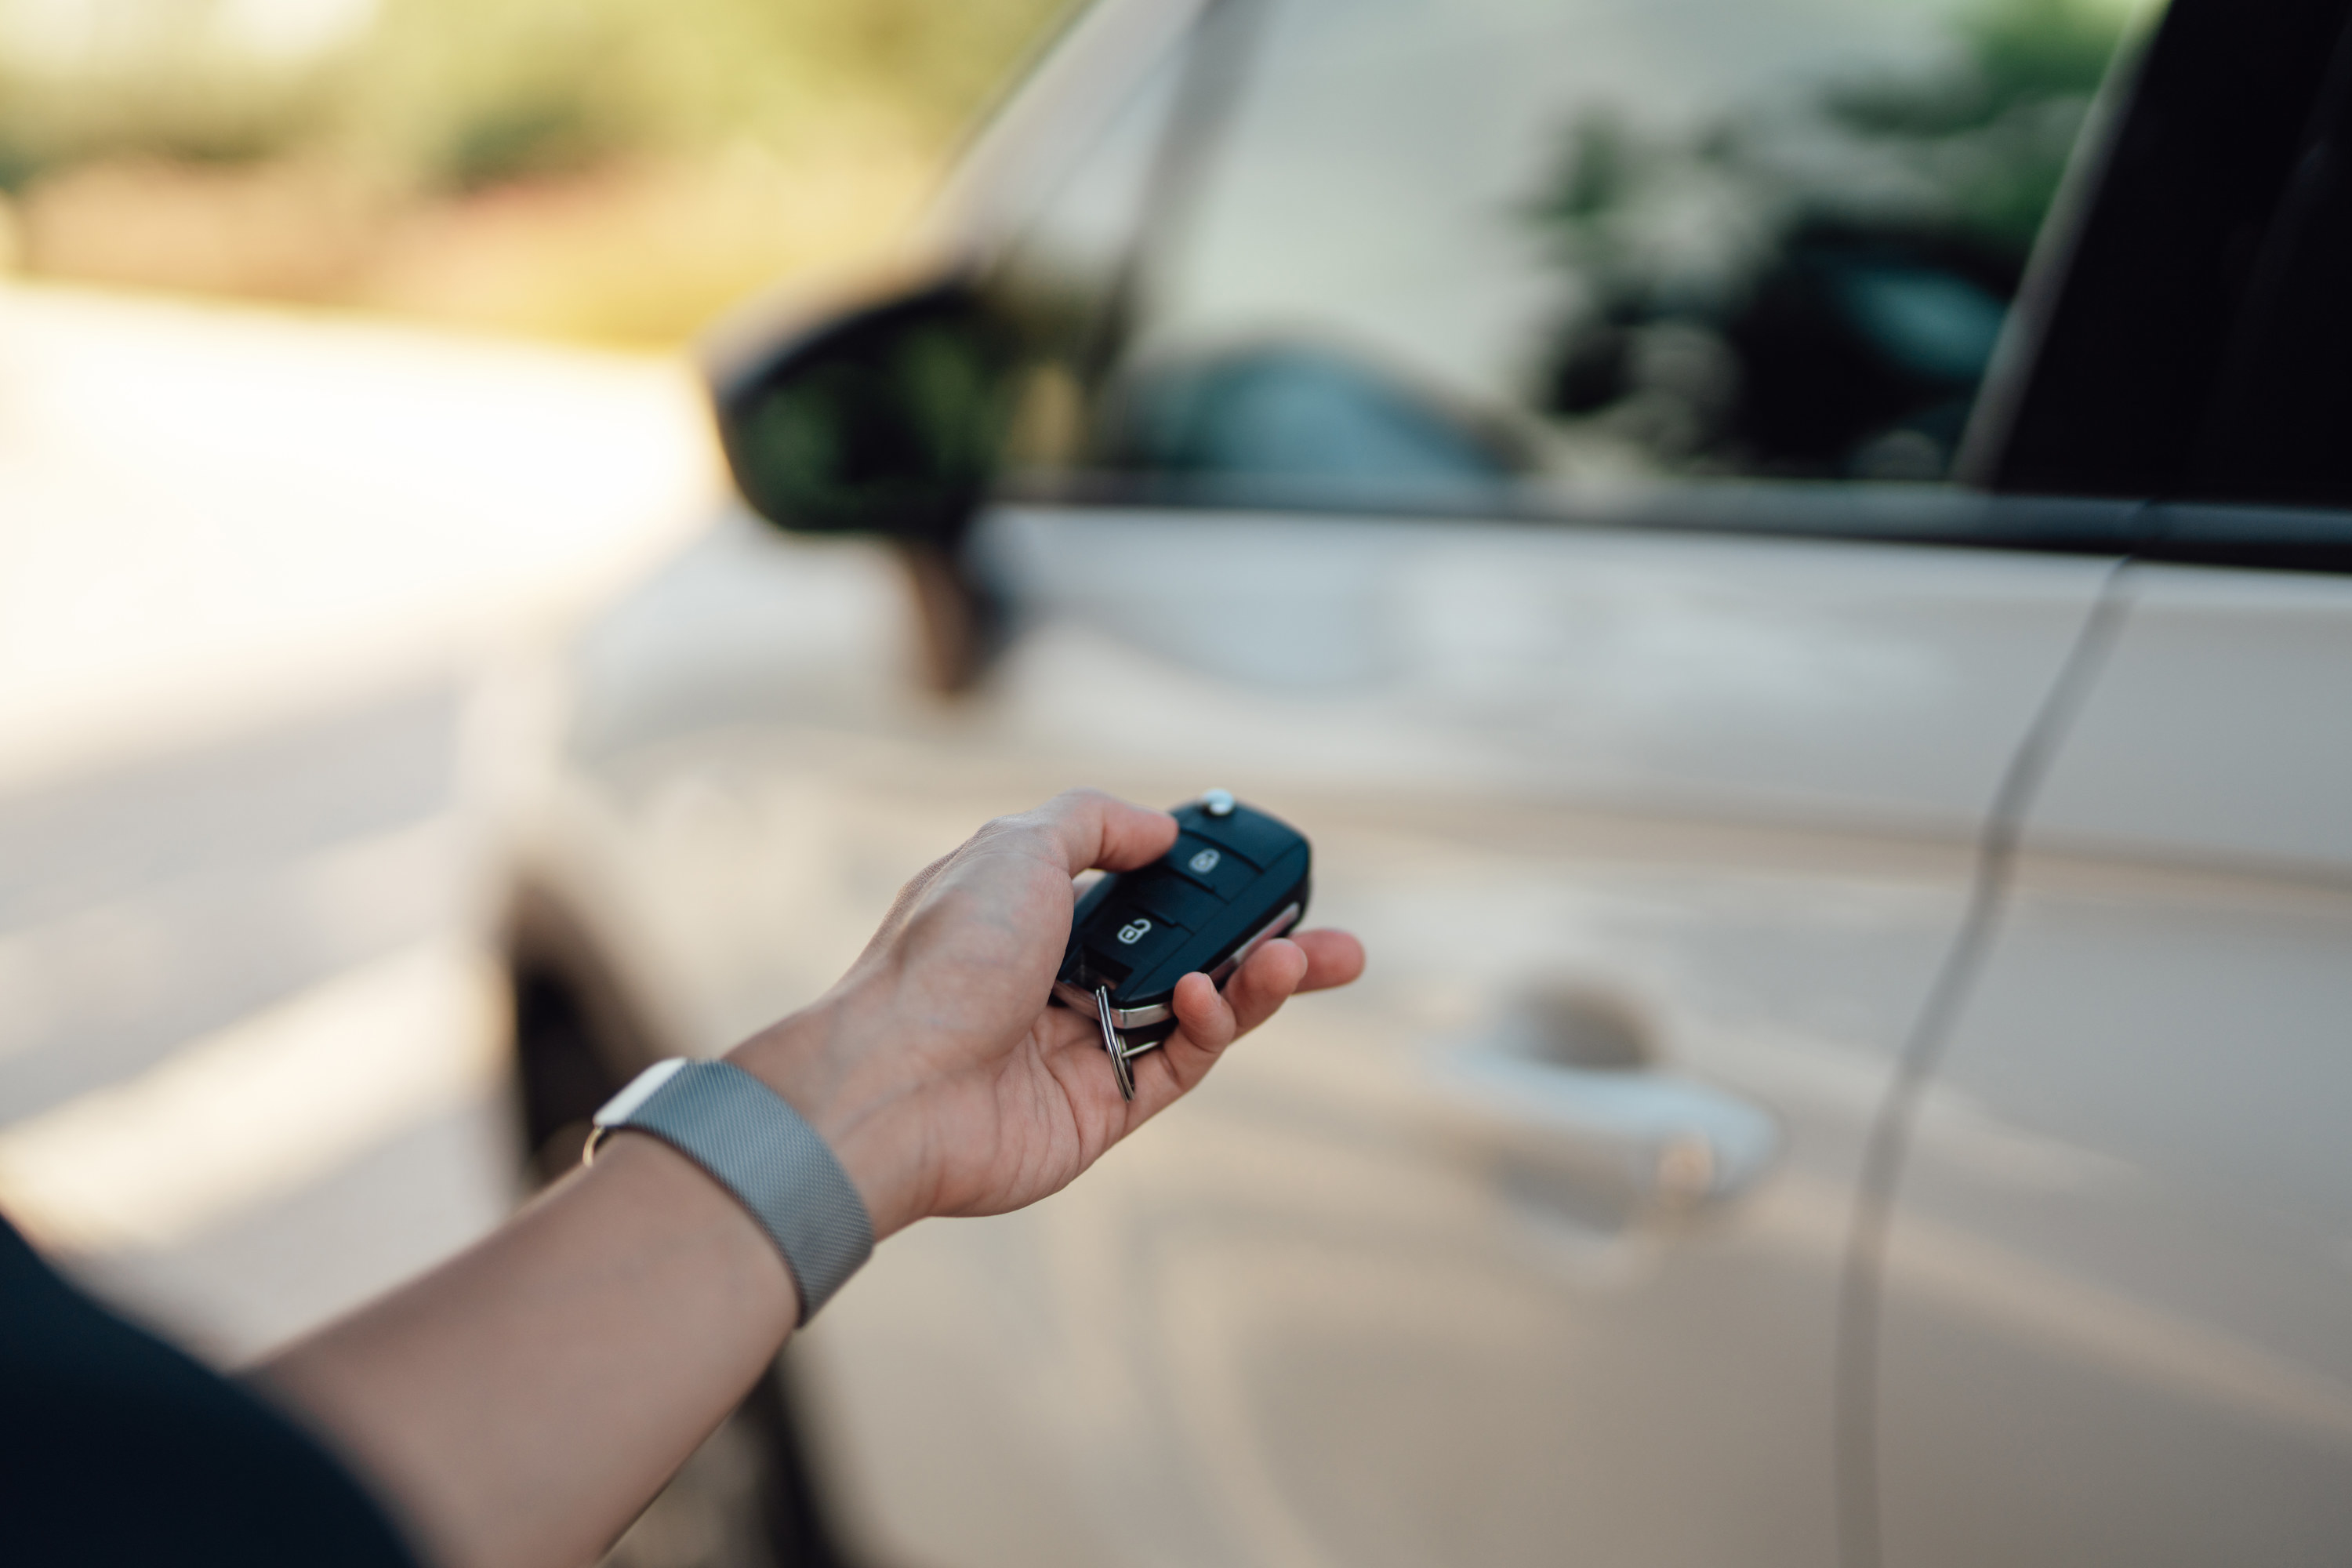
(1333, 958)
(1091, 828)
(1312, 961)
(1264, 983)
(1213, 1022)
(1074, 831)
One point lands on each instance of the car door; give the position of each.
(1506, 441)
(1496, 442)
(2116, 1320)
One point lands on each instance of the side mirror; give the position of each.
(889, 420)
(884, 420)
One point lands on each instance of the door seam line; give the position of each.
(1854, 1391)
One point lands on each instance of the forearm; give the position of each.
(522, 1403)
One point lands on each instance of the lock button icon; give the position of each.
(1135, 929)
(1219, 867)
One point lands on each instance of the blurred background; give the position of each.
(337, 376)
(337, 379)
(612, 171)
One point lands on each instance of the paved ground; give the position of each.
(273, 591)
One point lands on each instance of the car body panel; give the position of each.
(1723, 791)
(2116, 1290)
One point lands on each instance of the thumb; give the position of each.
(1089, 828)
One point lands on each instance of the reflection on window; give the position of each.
(1602, 239)
(1868, 235)
(1279, 410)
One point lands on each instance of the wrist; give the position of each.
(820, 1061)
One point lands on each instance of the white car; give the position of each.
(1788, 556)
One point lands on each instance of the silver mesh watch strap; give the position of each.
(758, 1148)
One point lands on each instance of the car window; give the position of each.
(1068, 268)
(2191, 352)
(2277, 433)
(1602, 242)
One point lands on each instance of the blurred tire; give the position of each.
(743, 1499)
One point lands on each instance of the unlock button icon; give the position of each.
(1134, 937)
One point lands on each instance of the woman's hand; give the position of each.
(936, 1070)
(521, 1402)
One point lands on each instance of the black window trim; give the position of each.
(1942, 516)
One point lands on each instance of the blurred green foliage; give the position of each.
(2016, 52)
(1979, 142)
(456, 94)
(464, 92)
(151, 85)
(1847, 248)
(1994, 129)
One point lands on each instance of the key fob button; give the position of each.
(1216, 867)
(1256, 839)
(1134, 938)
(1182, 902)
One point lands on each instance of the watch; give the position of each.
(748, 1141)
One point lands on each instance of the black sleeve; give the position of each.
(116, 1448)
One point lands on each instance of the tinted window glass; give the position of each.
(1441, 242)
(2173, 270)
(2277, 434)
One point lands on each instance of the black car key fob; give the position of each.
(1237, 878)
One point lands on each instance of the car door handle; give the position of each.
(1658, 1138)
